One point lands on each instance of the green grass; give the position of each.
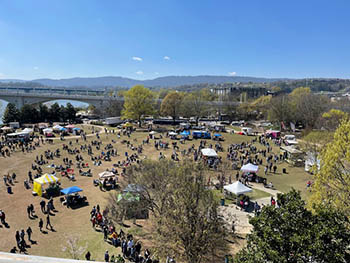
(257, 194)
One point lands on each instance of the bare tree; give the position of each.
(72, 247)
(185, 212)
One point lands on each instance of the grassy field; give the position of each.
(76, 222)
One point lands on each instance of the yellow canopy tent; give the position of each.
(43, 180)
(128, 124)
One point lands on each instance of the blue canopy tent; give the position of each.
(76, 129)
(217, 134)
(71, 190)
(63, 129)
(185, 133)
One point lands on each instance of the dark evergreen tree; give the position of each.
(11, 113)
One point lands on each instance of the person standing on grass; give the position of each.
(88, 256)
(18, 238)
(106, 256)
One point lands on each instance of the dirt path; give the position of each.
(233, 213)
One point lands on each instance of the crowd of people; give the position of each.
(99, 153)
(130, 248)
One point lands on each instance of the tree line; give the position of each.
(301, 106)
(42, 113)
(140, 101)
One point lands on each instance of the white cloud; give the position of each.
(140, 72)
(232, 73)
(157, 73)
(166, 58)
(2, 75)
(36, 68)
(137, 58)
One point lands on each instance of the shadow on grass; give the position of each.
(138, 225)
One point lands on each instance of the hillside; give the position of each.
(169, 81)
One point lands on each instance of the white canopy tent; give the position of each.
(172, 133)
(47, 130)
(28, 130)
(105, 174)
(291, 142)
(237, 188)
(208, 152)
(250, 168)
(57, 127)
(152, 132)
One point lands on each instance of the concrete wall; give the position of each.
(19, 258)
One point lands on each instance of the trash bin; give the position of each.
(222, 202)
(284, 170)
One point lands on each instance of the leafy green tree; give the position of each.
(162, 93)
(332, 182)
(332, 118)
(70, 112)
(11, 113)
(29, 114)
(138, 102)
(55, 112)
(261, 105)
(291, 233)
(172, 105)
(43, 112)
(63, 113)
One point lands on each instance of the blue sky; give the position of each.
(153, 38)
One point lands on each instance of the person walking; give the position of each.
(48, 208)
(48, 221)
(42, 206)
(28, 212)
(29, 233)
(41, 224)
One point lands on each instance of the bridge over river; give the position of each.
(19, 97)
(98, 98)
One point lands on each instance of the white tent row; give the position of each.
(237, 188)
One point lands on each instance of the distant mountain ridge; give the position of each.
(168, 81)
